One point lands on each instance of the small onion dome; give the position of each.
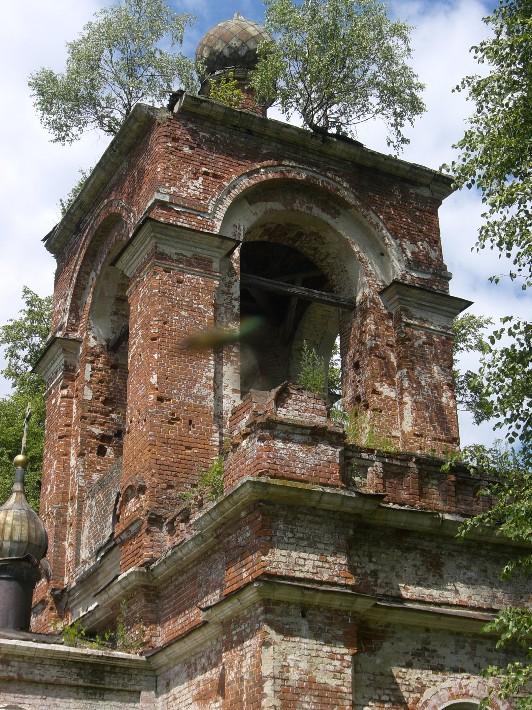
(21, 530)
(231, 44)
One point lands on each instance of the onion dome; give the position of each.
(231, 44)
(21, 530)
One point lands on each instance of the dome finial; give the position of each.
(21, 460)
(231, 44)
(21, 530)
(23, 544)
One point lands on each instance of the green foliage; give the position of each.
(75, 634)
(514, 629)
(360, 429)
(128, 635)
(312, 374)
(12, 409)
(212, 479)
(226, 90)
(23, 339)
(65, 204)
(339, 63)
(506, 373)
(125, 636)
(117, 61)
(502, 388)
(469, 334)
(495, 152)
(510, 484)
(210, 484)
(470, 391)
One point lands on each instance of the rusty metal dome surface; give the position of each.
(21, 530)
(231, 44)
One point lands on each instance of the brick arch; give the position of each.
(463, 690)
(365, 233)
(102, 237)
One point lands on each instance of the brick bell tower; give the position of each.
(327, 571)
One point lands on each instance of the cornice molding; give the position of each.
(367, 508)
(366, 608)
(173, 241)
(346, 150)
(425, 305)
(60, 354)
(37, 652)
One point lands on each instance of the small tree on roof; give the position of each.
(339, 63)
(117, 61)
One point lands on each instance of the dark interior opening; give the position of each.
(279, 285)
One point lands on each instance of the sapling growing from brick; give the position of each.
(337, 64)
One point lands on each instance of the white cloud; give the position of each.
(35, 174)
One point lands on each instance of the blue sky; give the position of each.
(35, 174)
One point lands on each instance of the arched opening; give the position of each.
(105, 373)
(108, 336)
(297, 229)
(462, 705)
(296, 310)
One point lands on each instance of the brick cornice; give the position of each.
(366, 608)
(433, 182)
(368, 508)
(59, 354)
(426, 306)
(155, 237)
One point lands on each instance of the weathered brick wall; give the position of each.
(68, 697)
(395, 667)
(416, 481)
(56, 470)
(99, 513)
(308, 658)
(286, 434)
(198, 169)
(396, 563)
(410, 565)
(140, 415)
(236, 559)
(171, 432)
(198, 681)
(34, 676)
(226, 673)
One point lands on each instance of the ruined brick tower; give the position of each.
(327, 574)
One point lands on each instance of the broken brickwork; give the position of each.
(328, 574)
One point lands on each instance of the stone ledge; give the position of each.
(433, 307)
(366, 608)
(99, 669)
(173, 241)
